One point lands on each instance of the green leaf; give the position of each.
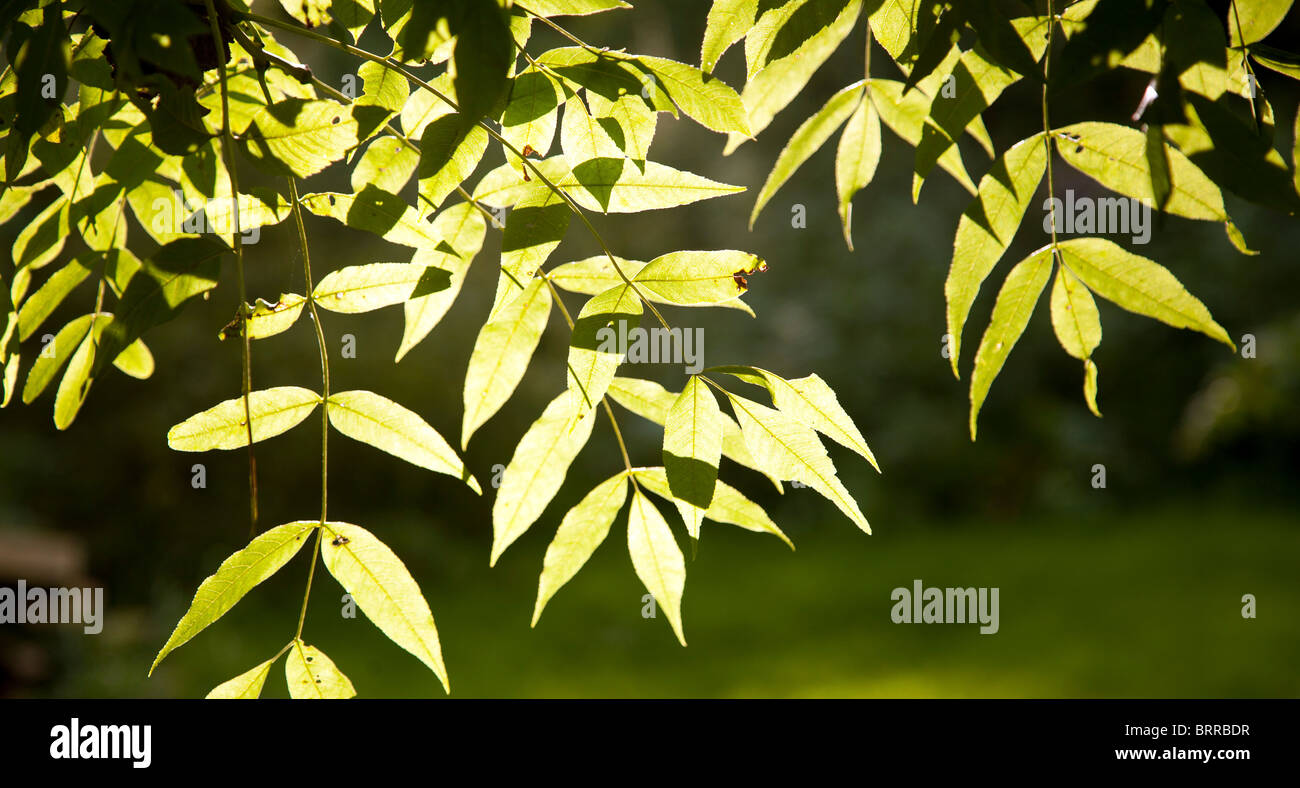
(275, 411)
(695, 278)
(622, 186)
(462, 229)
(364, 288)
(629, 121)
(806, 141)
(609, 74)
(135, 360)
(484, 55)
(1139, 285)
(313, 676)
(651, 401)
(377, 421)
(448, 155)
(594, 349)
(245, 686)
(1275, 59)
(583, 529)
(383, 87)
(790, 450)
(810, 401)
(375, 211)
(54, 355)
(574, 7)
(729, 505)
(986, 228)
(784, 48)
(529, 120)
(1090, 386)
(976, 83)
(267, 319)
(236, 576)
(304, 136)
(596, 274)
(1011, 313)
(1251, 20)
(582, 138)
(728, 22)
(77, 378)
(501, 354)
(1074, 315)
(42, 239)
(657, 559)
(45, 300)
(1116, 157)
(705, 99)
(534, 228)
(905, 114)
(383, 588)
(856, 160)
(692, 450)
(536, 471)
(36, 54)
(387, 164)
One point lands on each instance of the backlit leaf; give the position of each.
(236, 576)
(657, 559)
(501, 354)
(313, 676)
(383, 588)
(581, 531)
(377, 421)
(692, 449)
(275, 411)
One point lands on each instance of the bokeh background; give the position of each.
(1133, 590)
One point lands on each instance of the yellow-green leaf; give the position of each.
(1011, 313)
(313, 676)
(692, 449)
(245, 686)
(807, 140)
(595, 350)
(651, 401)
(236, 576)
(729, 505)
(501, 354)
(986, 228)
(583, 529)
(367, 417)
(855, 161)
(462, 229)
(275, 411)
(657, 559)
(1139, 285)
(1074, 315)
(788, 449)
(728, 22)
(364, 288)
(536, 471)
(384, 590)
(624, 186)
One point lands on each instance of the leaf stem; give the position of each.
(1047, 126)
(227, 147)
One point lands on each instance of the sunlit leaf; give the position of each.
(1011, 313)
(245, 686)
(729, 505)
(536, 471)
(313, 676)
(501, 354)
(377, 421)
(581, 531)
(790, 450)
(364, 288)
(595, 350)
(275, 411)
(383, 588)
(657, 559)
(986, 228)
(1139, 285)
(236, 576)
(692, 449)
(855, 161)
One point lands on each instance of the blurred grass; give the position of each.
(1147, 604)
